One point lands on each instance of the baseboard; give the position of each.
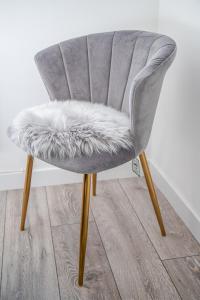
(55, 176)
(185, 212)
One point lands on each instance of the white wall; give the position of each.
(175, 140)
(29, 26)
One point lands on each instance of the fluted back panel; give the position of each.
(99, 57)
(99, 67)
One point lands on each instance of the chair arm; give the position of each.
(144, 94)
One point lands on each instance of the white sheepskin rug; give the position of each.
(67, 129)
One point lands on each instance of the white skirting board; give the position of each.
(185, 212)
(55, 176)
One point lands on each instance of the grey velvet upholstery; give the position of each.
(123, 69)
(95, 163)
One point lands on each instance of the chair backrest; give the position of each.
(105, 68)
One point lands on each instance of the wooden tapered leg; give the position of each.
(94, 184)
(84, 225)
(27, 185)
(152, 192)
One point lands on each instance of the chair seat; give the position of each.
(80, 136)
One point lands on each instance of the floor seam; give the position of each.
(148, 237)
(179, 257)
(69, 224)
(139, 219)
(1, 274)
(106, 254)
(54, 254)
(171, 280)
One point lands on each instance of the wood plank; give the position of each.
(138, 271)
(179, 241)
(64, 203)
(98, 280)
(2, 222)
(29, 270)
(185, 273)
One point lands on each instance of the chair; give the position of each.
(122, 71)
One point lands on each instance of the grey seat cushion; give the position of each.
(75, 135)
(94, 163)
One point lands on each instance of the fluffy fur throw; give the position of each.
(65, 129)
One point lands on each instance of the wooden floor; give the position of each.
(126, 256)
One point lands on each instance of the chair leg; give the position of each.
(94, 184)
(27, 184)
(84, 225)
(152, 192)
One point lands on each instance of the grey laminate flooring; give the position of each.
(127, 258)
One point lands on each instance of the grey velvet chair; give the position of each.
(123, 70)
